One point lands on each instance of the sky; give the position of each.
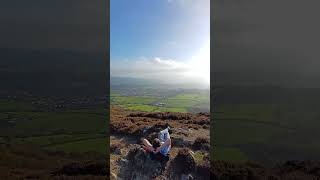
(161, 40)
(256, 41)
(77, 25)
(48, 46)
(270, 42)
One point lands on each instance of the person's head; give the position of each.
(156, 143)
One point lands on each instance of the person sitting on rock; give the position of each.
(161, 146)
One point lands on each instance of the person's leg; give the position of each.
(147, 145)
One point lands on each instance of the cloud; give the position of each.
(168, 70)
(154, 68)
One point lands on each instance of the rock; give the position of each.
(180, 142)
(123, 162)
(116, 149)
(140, 165)
(161, 178)
(182, 164)
(186, 177)
(113, 176)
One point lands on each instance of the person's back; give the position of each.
(164, 135)
(165, 140)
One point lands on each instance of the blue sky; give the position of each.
(169, 32)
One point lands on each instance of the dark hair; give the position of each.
(156, 143)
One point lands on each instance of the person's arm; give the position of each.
(157, 150)
(147, 145)
(166, 143)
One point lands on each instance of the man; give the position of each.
(161, 146)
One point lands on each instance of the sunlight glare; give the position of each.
(199, 65)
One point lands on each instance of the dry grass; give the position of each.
(133, 123)
(185, 129)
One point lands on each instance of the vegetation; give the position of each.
(267, 125)
(178, 102)
(65, 130)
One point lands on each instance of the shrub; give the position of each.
(201, 143)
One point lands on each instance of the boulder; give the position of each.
(139, 165)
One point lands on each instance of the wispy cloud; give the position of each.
(196, 70)
(164, 70)
(154, 68)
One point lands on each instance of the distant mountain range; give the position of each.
(127, 82)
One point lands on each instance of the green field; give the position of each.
(11, 105)
(265, 132)
(93, 145)
(79, 130)
(229, 154)
(183, 102)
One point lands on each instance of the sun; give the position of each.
(199, 65)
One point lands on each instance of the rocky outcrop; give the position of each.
(139, 165)
(182, 165)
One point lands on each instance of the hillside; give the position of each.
(290, 170)
(189, 133)
(266, 124)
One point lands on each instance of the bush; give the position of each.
(184, 162)
(201, 143)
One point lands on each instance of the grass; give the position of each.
(150, 108)
(172, 109)
(256, 112)
(178, 103)
(237, 132)
(229, 154)
(92, 145)
(56, 139)
(141, 107)
(45, 129)
(3, 116)
(198, 157)
(2, 140)
(12, 105)
(133, 99)
(244, 124)
(46, 122)
(281, 126)
(187, 100)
